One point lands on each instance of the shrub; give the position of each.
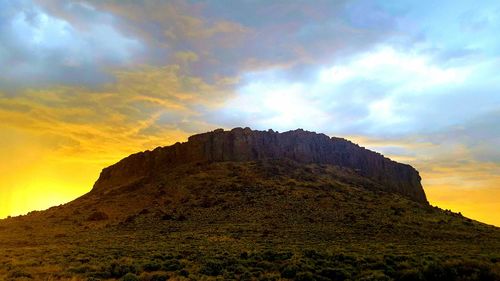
(374, 276)
(98, 216)
(172, 265)
(151, 266)
(19, 274)
(184, 273)
(344, 259)
(304, 276)
(335, 274)
(117, 270)
(276, 256)
(239, 269)
(313, 254)
(436, 271)
(246, 276)
(289, 271)
(460, 270)
(130, 277)
(212, 268)
(409, 275)
(270, 277)
(263, 265)
(81, 269)
(167, 217)
(157, 277)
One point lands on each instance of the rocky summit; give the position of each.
(249, 145)
(251, 205)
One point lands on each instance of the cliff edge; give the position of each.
(250, 145)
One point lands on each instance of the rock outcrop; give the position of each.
(248, 145)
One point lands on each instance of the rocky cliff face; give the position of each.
(248, 145)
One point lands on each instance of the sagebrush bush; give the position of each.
(212, 268)
(130, 277)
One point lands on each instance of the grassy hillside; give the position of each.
(265, 220)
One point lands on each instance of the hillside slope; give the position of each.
(263, 218)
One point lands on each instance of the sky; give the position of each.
(86, 83)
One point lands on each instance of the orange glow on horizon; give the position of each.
(37, 174)
(473, 191)
(481, 204)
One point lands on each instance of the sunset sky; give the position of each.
(86, 83)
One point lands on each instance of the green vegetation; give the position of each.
(299, 266)
(273, 220)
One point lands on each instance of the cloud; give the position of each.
(227, 38)
(177, 27)
(230, 39)
(118, 118)
(377, 92)
(41, 48)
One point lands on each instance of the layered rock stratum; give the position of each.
(244, 144)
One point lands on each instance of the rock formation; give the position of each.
(248, 145)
